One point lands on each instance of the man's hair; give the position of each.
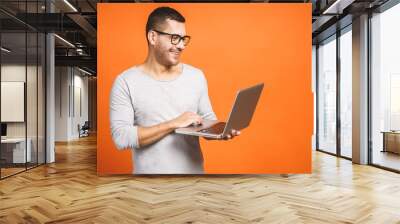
(160, 15)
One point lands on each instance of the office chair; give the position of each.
(84, 130)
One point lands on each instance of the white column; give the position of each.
(50, 109)
(360, 89)
(50, 92)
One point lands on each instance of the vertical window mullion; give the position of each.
(317, 96)
(338, 91)
(26, 86)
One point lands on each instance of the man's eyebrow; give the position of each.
(179, 34)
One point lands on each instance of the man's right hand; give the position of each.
(185, 120)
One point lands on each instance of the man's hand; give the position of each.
(233, 134)
(185, 120)
(149, 135)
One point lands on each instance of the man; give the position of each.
(149, 101)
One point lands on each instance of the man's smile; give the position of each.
(175, 53)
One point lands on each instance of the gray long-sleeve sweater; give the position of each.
(137, 99)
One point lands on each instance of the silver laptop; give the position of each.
(239, 118)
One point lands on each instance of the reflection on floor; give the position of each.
(387, 159)
(11, 169)
(346, 152)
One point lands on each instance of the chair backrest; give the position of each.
(86, 124)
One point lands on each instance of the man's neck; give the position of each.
(159, 71)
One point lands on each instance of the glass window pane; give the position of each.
(41, 98)
(14, 153)
(327, 96)
(386, 88)
(314, 73)
(22, 87)
(346, 94)
(31, 100)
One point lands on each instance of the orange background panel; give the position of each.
(236, 45)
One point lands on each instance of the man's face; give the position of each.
(167, 53)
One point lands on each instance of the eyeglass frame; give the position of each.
(181, 38)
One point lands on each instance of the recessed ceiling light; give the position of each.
(70, 5)
(64, 40)
(337, 7)
(5, 50)
(84, 71)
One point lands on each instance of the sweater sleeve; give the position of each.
(122, 116)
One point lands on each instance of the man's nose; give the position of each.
(180, 45)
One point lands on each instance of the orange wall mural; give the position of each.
(236, 45)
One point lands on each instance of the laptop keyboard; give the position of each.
(217, 128)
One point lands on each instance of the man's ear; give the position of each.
(151, 36)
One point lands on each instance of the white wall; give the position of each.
(80, 105)
(62, 81)
(9, 73)
(71, 87)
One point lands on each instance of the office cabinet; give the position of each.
(391, 142)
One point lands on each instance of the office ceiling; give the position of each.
(76, 22)
(331, 16)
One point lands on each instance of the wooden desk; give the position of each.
(13, 150)
(391, 141)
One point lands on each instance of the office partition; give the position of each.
(22, 78)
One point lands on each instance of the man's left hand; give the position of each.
(232, 135)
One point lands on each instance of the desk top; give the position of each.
(390, 132)
(13, 140)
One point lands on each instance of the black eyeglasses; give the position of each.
(175, 38)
